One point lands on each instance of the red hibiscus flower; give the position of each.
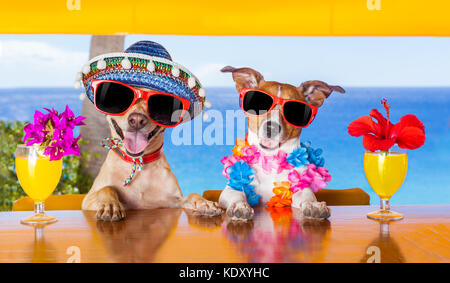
(381, 134)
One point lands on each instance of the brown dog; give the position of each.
(270, 133)
(153, 187)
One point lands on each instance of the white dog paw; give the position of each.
(240, 211)
(316, 209)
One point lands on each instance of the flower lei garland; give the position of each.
(283, 195)
(240, 178)
(238, 170)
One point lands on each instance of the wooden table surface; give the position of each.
(277, 235)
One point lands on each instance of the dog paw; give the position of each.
(240, 211)
(316, 209)
(201, 206)
(206, 207)
(111, 211)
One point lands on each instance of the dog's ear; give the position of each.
(244, 77)
(315, 92)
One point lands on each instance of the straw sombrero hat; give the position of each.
(146, 64)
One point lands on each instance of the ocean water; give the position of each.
(198, 167)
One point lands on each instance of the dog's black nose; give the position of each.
(272, 129)
(137, 121)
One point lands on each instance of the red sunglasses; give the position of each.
(295, 112)
(116, 98)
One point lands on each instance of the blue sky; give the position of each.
(53, 60)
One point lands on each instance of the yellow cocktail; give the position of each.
(38, 177)
(385, 172)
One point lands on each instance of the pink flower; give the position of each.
(54, 133)
(71, 146)
(53, 116)
(55, 150)
(62, 133)
(227, 162)
(312, 178)
(40, 118)
(69, 119)
(267, 163)
(277, 161)
(324, 172)
(251, 154)
(34, 133)
(280, 159)
(294, 178)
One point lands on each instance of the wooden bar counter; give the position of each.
(275, 235)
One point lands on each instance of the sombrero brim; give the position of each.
(151, 72)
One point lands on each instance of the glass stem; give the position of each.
(384, 228)
(385, 204)
(39, 208)
(38, 234)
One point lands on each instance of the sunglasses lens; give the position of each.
(296, 113)
(165, 109)
(113, 98)
(256, 102)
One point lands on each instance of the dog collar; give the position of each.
(137, 162)
(148, 158)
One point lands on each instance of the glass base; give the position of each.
(38, 219)
(385, 215)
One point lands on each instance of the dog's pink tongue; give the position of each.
(135, 142)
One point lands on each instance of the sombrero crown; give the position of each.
(146, 64)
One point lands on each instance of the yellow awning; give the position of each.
(228, 17)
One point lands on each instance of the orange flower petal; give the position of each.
(240, 143)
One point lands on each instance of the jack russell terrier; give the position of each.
(276, 113)
(142, 92)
